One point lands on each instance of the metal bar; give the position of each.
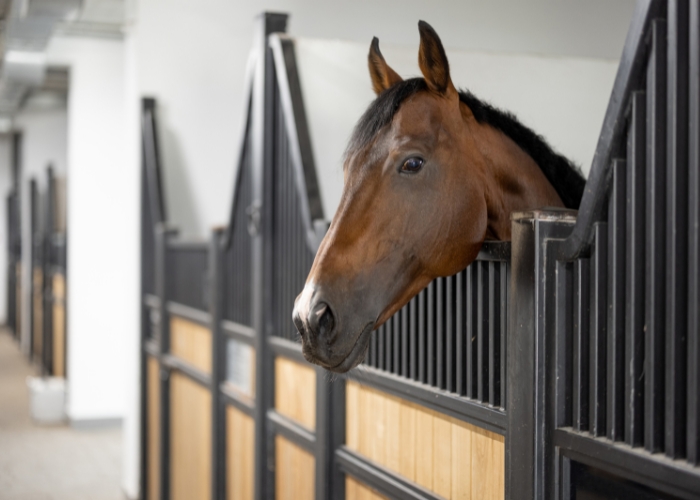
(676, 231)
(389, 346)
(404, 340)
(282, 347)
(290, 430)
(218, 370)
(232, 397)
(431, 333)
(564, 343)
(422, 347)
(380, 478)
(237, 331)
(616, 299)
(171, 362)
(672, 477)
(598, 330)
(450, 333)
(494, 334)
(634, 300)
(413, 337)
(440, 353)
(460, 334)
(693, 326)
(655, 204)
(189, 313)
(581, 347)
(482, 328)
(505, 311)
(396, 328)
(471, 351)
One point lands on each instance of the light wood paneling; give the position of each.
(191, 342)
(59, 326)
(295, 391)
(190, 439)
(37, 313)
(355, 490)
(153, 429)
(240, 455)
(294, 471)
(452, 458)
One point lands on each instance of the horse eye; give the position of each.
(412, 165)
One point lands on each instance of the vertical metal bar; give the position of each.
(460, 334)
(581, 347)
(372, 358)
(404, 339)
(389, 344)
(396, 327)
(693, 359)
(218, 369)
(381, 345)
(472, 318)
(431, 333)
(450, 333)
(422, 334)
(634, 300)
(655, 205)
(616, 300)
(440, 334)
(263, 148)
(505, 311)
(676, 230)
(598, 329)
(482, 329)
(564, 343)
(413, 337)
(494, 333)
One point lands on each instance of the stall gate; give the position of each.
(48, 275)
(560, 365)
(14, 241)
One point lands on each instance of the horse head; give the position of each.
(425, 183)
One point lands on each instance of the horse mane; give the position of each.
(565, 177)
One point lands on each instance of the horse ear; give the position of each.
(432, 59)
(381, 74)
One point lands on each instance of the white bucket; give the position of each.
(47, 399)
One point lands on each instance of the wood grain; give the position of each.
(355, 490)
(191, 342)
(153, 429)
(294, 472)
(59, 325)
(190, 439)
(450, 457)
(240, 455)
(295, 391)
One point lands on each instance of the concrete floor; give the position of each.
(50, 462)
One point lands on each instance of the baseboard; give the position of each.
(95, 423)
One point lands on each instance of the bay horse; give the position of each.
(430, 173)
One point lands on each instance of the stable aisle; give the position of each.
(50, 462)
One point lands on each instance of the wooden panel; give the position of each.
(452, 458)
(355, 490)
(37, 313)
(153, 429)
(240, 455)
(191, 342)
(294, 471)
(190, 439)
(59, 326)
(295, 391)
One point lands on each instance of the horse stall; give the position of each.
(48, 275)
(562, 364)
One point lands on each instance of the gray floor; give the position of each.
(50, 462)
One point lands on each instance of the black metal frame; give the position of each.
(14, 234)
(556, 316)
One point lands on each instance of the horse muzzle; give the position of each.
(324, 340)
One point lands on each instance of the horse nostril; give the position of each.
(321, 320)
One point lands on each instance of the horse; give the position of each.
(430, 173)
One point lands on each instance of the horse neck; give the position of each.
(513, 181)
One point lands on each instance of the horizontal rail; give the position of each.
(233, 398)
(292, 431)
(287, 348)
(174, 363)
(189, 313)
(237, 331)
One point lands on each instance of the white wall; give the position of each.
(102, 214)
(44, 142)
(191, 55)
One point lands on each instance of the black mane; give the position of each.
(559, 171)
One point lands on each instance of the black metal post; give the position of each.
(218, 372)
(530, 351)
